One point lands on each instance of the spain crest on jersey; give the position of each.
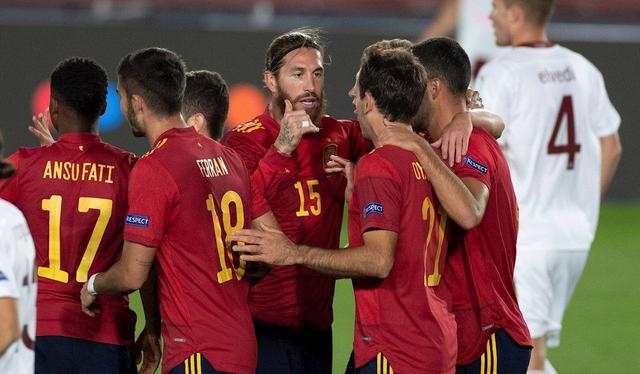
(327, 151)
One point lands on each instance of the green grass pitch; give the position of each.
(602, 323)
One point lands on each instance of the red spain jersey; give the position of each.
(186, 197)
(308, 204)
(480, 267)
(401, 315)
(73, 194)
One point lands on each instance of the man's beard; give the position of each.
(131, 117)
(316, 115)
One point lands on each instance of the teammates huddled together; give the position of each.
(233, 239)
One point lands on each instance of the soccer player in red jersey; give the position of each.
(397, 234)
(292, 305)
(73, 194)
(186, 196)
(492, 334)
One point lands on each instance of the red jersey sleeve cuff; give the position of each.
(381, 225)
(143, 240)
(279, 162)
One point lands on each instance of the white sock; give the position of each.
(548, 368)
(536, 372)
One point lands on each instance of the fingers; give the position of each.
(248, 236)
(437, 143)
(246, 248)
(288, 107)
(444, 146)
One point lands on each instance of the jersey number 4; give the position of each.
(571, 148)
(53, 205)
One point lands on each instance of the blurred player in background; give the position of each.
(492, 334)
(562, 145)
(17, 286)
(470, 20)
(401, 324)
(74, 197)
(206, 102)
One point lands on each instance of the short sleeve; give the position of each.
(9, 186)
(153, 195)
(477, 163)
(378, 194)
(8, 283)
(493, 84)
(604, 116)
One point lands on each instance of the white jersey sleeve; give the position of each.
(17, 281)
(605, 118)
(555, 108)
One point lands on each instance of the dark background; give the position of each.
(28, 53)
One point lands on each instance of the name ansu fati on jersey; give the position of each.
(211, 168)
(71, 171)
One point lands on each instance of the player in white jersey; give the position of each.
(561, 142)
(470, 19)
(17, 287)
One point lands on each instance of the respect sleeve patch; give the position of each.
(137, 220)
(476, 165)
(373, 208)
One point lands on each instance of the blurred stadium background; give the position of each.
(602, 324)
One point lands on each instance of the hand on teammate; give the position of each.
(41, 128)
(454, 141)
(473, 99)
(88, 301)
(338, 164)
(400, 136)
(294, 124)
(271, 246)
(148, 352)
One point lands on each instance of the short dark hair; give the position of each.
(207, 93)
(444, 59)
(156, 74)
(290, 41)
(81, 84)
(6, 169)
(395, 79)
(536, 12)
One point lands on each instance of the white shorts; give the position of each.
(545, 281)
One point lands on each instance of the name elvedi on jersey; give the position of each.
(557, 76)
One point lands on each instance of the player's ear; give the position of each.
(369, 102)
(271, 81)
(53, 106)
(198, 122)
(137, 103)
(434, 87)
(515, 14)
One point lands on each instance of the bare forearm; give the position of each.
(455, 197)
(488, 121)
(150, 304)
(356, 262)
(118, 280)
(9, 326)
(611, 152)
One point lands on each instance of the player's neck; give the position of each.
(444, 114)
(529, 36)
(71, 123)
(158, 125)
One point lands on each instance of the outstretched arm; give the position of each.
(373, 259)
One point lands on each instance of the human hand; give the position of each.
(454, 141)
(400, 136)
(473, 99)
(338, 164)
(87, 301)
(294, 124)
(41, 128)
(272, 246)
(147, 351)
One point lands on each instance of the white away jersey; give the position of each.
(555, 107)
(17, 281)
